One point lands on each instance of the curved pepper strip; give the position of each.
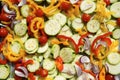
(81, 39)
(50, 10)
(39, 24)
(13, 7)
(102, 74)
(98, 38)
(71, 40)
(7, 51)
(83, 69)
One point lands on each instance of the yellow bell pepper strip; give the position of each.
(71, 40)
(93, 60)
(36, 24)
(56, 41)
(101, 12)
(7, 51)
(102, 74)
(13, 7)
(82, 31)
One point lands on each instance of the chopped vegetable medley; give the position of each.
(59, 39)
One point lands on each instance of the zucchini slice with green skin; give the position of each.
(115, 8)
(33, 67)
(10, 79)
(116, 33)
(67, 75)
(54, 74)
(4, 72)
(48, 64)
(25, 10)
(24, 38)
(113, 1)
(31, 44)
(93, 26)
(77, 24)
(52, 71)
(113, 69)
(113, 58)
(55, 50)
(59, 77)
(20, 29)
(38, 1)
(88, 6)
(47, 53)
(61, 18)
(42, 49)
(66, 54)
(52, 27)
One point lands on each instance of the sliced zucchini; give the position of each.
(47, 53)
(115, 8)
(77, 24)
(52, 71)
(49, 1)
(61, 18)
(66, 54)
(110, 27)
(24, 38)
(93, 26)
(68, 76)
(42, 49)
(76, 38)
(52, 27)
(55, 50)
(113, 69)
(38, 1)
(48, 64)
(88, 6)
(54, 74)
(113, 58)
(33, 67)
(31, 44)
(116, 33)
(4, 72)
(113, 1)
(20, 29)
(59, 77)
(10, 79)
(66, 31)
(25, 10)
(15, 46)
(32, 52)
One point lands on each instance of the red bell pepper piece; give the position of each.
(71, 40)
(3, 61)
(101, 37)
(31, 76)
(81, 39)
(107, 40)
(59, 63)
(27, 62)
(42, 72)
